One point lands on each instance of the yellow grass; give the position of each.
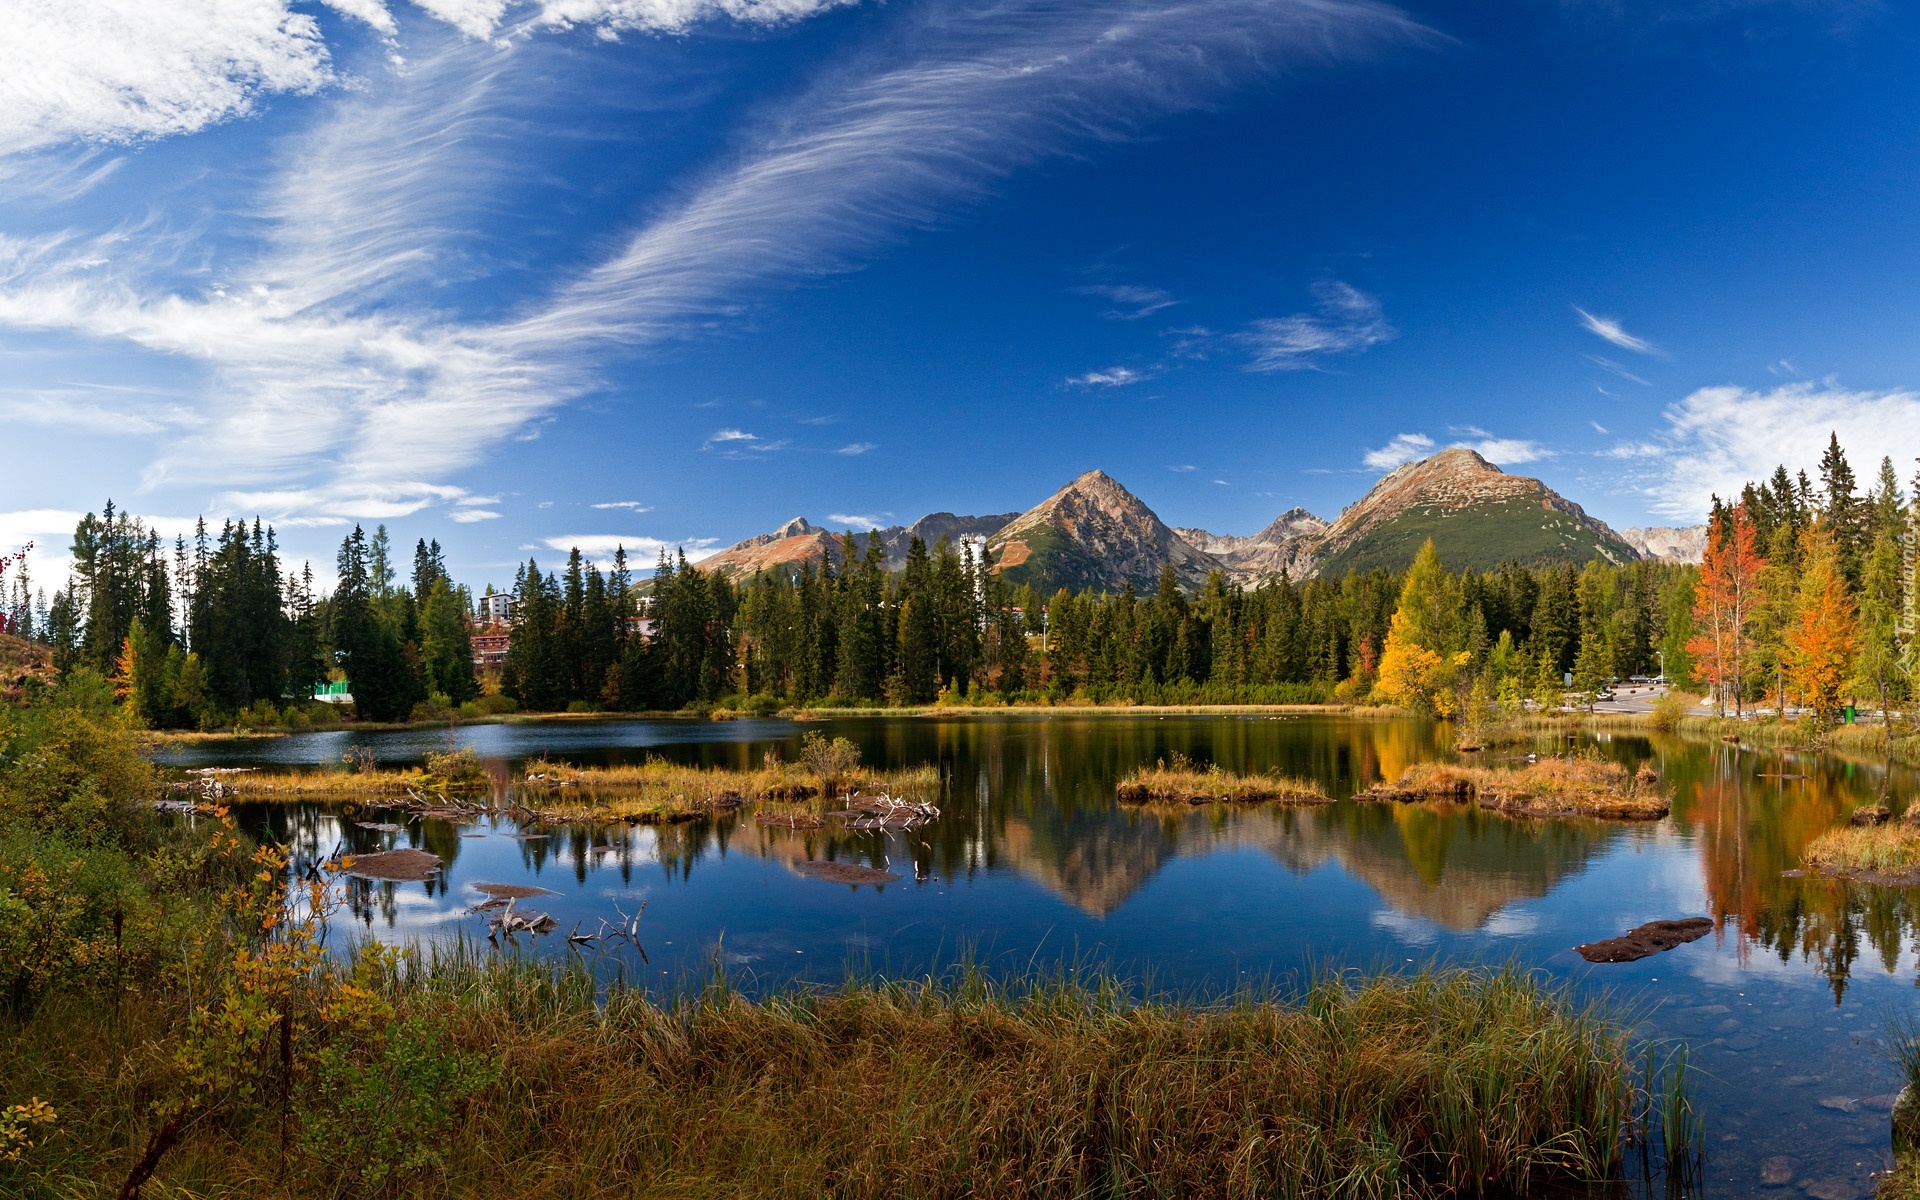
(322, 785)
(1180, 783)
(1552, 787)
(1875, 853)
(658, 790)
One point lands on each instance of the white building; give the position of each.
(497, 607)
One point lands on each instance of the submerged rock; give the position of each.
(1777, 1171)
(1652, 938)
(1831, 1189)
(840, 872)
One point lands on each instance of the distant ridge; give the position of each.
(1094, 533)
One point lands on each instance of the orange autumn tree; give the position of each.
(1723, 602)
(1825, 636)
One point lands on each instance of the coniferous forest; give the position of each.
(1806, 598)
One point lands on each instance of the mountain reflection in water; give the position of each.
(1032, 863)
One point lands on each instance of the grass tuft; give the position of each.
(1872, 853)
(1181, 782)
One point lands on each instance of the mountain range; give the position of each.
(1095, 533)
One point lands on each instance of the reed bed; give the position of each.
(1871, 853)
(1182, 783)
(1581, 785)
(340, 785)
(658, 790)
(1433, 1084)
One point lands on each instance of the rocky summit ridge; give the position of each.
(1095, 533)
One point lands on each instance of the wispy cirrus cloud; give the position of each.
(853, 449)
(628, 505)
(1108, 378)
(1612, 367)
(335, 383)
(1131, 301)
(1609, 329)
(863, 522)
(1345, 320)
(1717, 439)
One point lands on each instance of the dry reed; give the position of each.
(1435, 1084)
(1874, 854)
(1552, 787)
(1181, 783)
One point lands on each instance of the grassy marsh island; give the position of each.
(1182, 782)
(1888, 854)
(1580, 785)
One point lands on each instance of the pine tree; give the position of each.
(1842, 509)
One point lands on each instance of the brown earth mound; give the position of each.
(405, 865)
(1652, 938)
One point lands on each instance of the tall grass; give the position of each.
(1182, 782)
(1577, 785)
(1437, 1083)
(1890, 851)
(660, 790)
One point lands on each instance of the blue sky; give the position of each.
(519, 275)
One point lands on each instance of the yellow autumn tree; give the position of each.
(1421, 659)
(1824, 639)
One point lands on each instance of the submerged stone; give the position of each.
(1652, 938)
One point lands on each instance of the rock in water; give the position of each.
(1652, 938)
(1776, 1171)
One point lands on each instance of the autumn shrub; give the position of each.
(457, 768)
(72, 762)
(829, 761)
(1667, 711)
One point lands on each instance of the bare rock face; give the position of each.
(789, 546)
(1095, 533)
(1279, 547)
(1662, 543)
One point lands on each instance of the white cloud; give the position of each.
(471, 516)
(331, 393)
(1111, 377)
(969, 95)
(1720, 438)
(1611, 330)
(1182, 467)
(600, 548)
(629, 505)
(853, 448)
(1607, 364)
(1597, 427)
(1405, 447)
(860, 521)
(732, 435)
(1133, 301)
(1345, 320)
(1504, 451)
(673, 16)
(125, 70)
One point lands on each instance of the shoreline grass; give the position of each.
(1552, 787)
(1886, 854)
(1438, 1083)
(1182, 783)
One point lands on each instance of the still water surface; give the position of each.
(1032, 862)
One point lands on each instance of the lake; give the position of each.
(1033, 864)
